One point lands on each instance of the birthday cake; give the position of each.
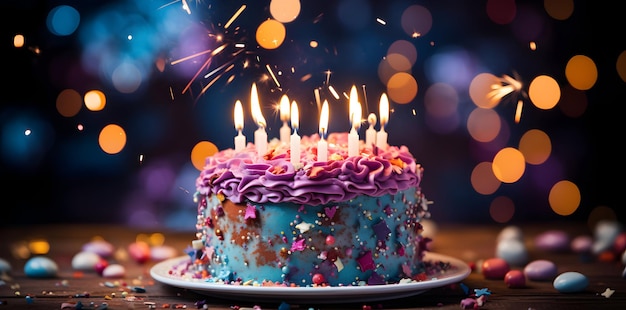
(350, 220)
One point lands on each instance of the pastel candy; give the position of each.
(582, 244)
(41, 267)
(510, 233)
(513, 251)
(114, 271)
(162, 252)
(570, 282)
(139, 251)
(85, 261)
(515, 279)
(540, 270)
(553, 241)
(495, 268)
(100, 247)
(604, 235)
(5, 266)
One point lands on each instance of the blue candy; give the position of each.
(40, 267)
(570, 282)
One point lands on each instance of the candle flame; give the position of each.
(238, 116)
(384, 110)
(355, 109)
(284, 108)
(371, 119)
(295, 119)
(324, 119)
(256, 108)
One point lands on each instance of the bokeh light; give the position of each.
(416, 20)
(501, 11)
(63, 20)
(559, 9)
(18, 41)
(544, 92)
(402, 88)
(69, 102)
(508, 165)
(481, 89)
(285, 11)
(581, 72)
(620, 65)
(564, 197)
(112, 139)
(200, 152)
(270, 34)
(483, 124)
(502, 209)
(536, 146)
(483, 180)
(95, 100)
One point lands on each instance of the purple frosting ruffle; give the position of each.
(245, 176)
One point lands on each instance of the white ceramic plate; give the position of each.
(345, 294)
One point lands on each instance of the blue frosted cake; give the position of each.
(350, 220)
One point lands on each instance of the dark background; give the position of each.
(64, 177)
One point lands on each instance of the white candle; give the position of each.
(240, 139)
(381, 137)
(355, 119)
(322, 145)
(370, 133)
(285, 131)
(295, 138)
(260, 136)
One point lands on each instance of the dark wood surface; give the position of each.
(470, 243)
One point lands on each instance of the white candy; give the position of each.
(163, 252)
(85, 261)
(114, 271)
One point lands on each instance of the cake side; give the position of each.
(364, 241)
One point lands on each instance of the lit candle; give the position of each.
(322, 145)
(381, 137)
(355, 119)
(260, 136)
(285, 131)
(370, 133)
(240, 139)
(295, 138)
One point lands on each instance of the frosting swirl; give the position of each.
(245, 176)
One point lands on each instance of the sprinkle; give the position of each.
(482, 291)
(366, 262)
(468, 303)
(304, 227)
(298, 245)
(250, 212)
(608, 292)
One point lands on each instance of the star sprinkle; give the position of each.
(608, 292)
(250, 212)
(298, 245)
(304, 227)
(481, 291)
(366, 262)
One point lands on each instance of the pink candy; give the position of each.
(495, 268)
(139, 251)
(515, 279)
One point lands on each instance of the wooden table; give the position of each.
(468, 243)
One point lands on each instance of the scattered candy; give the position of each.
(540, 270)
(41, 267)
(604, 235)
(553, 241)
(139, 251)
(570, 282)
(162, 252)
(510, 233)
(114, 271)
(5, 266)
(495, 268)
(100, 247)
(468, 303)
(582, 244)
(85, 261)
(608, 292)
(513, 251)
(515, 279)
